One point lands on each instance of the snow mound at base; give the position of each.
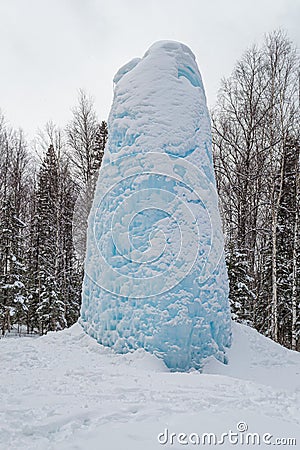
(65, 391)
(257, 358)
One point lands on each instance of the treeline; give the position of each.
(41, 188)
(256, 139)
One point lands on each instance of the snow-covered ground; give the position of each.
(65, 391)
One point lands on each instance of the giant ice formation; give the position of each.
(155, 275)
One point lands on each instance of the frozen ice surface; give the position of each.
(155, 276)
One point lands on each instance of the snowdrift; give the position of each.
(66, 391)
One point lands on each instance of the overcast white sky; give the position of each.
(51, 48)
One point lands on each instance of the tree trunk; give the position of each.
(294, 278)
(274, 301)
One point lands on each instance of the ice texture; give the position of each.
(155, 274)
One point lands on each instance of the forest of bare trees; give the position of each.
(256, 149)
(48, 187)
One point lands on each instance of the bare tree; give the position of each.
(86, 139)
(81, 135)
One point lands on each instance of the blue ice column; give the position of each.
(155, 274)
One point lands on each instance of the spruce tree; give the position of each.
(287, 216)
(241, 296)
(50, 309)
